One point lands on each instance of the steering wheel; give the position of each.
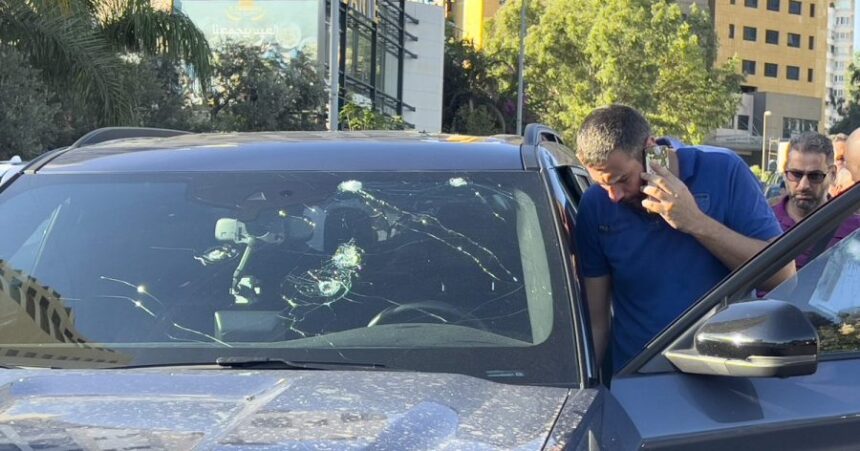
(439, 311)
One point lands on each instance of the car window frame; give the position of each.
(563, 184)
(762, 266)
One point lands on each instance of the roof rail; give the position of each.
(109, 133)
(535, 134)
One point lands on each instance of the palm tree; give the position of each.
(77, 44)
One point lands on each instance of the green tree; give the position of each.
(76, 45)
(27, 113)
(161, 96)
(644, 53)
(471, 99)
(850, 109)
(257, 91)
(356, 117)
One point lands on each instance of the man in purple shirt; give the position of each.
(809, 172)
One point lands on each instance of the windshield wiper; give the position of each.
(265, 363)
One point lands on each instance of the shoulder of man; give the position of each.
(714, 159)
(714, 151)
(593, 201)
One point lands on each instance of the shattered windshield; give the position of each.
(107, 270)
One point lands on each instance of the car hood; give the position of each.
(238, 409)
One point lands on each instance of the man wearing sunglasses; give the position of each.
(809, 173)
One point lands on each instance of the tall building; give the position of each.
(840, 52)
(783, 49)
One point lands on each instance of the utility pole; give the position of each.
(520, 68)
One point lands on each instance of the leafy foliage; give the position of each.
(27, 113)
(850, 108)
(472, 100)
(71, 54)
(357, 117)
(76, 45)
(256, 91)
(643, 53)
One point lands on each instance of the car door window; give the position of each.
(828, 289)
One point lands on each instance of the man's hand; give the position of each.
(670, 198)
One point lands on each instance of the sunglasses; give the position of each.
(813, 176)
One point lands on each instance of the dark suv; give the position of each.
(168, 290)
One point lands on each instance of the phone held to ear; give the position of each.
(656, 154)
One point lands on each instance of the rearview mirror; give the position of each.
(752, 339)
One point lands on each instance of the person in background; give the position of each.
(840, 144)
(852, 155)
(809, 173)
(841, 183)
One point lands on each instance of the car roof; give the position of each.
(299, 151)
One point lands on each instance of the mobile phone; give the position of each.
(656, 154)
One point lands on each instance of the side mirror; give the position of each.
(752, 339)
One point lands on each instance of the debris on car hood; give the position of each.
(234, 409)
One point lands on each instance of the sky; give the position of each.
(856, 27)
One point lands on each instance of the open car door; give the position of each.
(737, 372)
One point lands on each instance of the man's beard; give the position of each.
(636, 202)
(807, 205)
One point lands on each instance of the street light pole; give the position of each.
(520, 66)
(764, 141)
(334, 66)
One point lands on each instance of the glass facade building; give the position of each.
(373, 39)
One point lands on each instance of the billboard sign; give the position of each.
(289, 25)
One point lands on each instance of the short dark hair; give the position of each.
(609, 129)
(813, 142)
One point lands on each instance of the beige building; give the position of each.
(783, 49)
(782, 43)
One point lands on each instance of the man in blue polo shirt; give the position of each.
(652, 244)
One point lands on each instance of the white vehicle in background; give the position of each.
(9, 164)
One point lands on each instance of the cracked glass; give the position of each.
(185, 267)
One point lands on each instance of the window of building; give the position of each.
(792, 127)
(794, 40)
(812, 43)
(771, 70)
(732, 2)
(750, 34)
(812, 10)
(771, 36)
(743, 122)
(751, 3)
(748, 67)
(731, 31)
(792, 72)
(809, 76)
(773, 5)
(372, 55)
(795, 7)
